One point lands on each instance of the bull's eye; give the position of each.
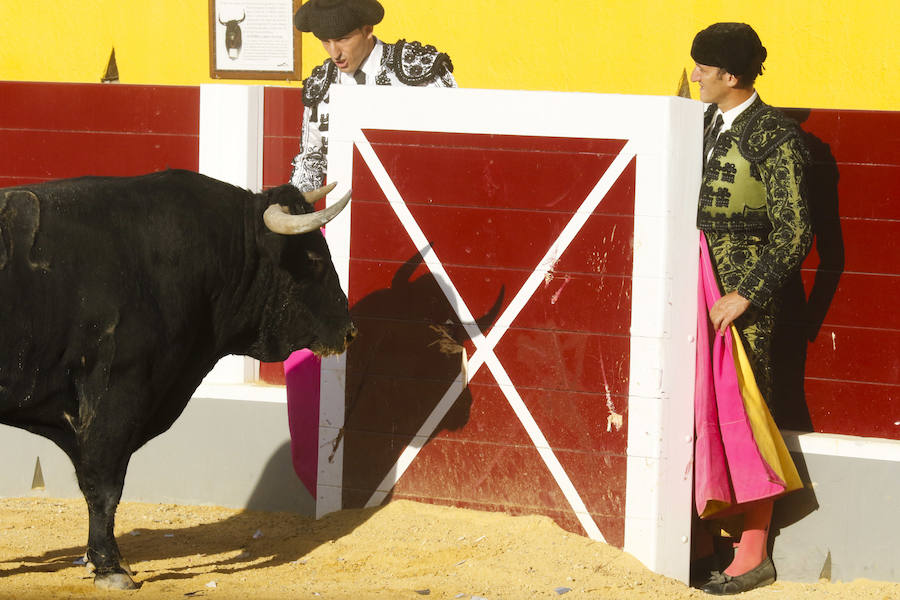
(316, 262)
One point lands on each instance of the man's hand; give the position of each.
(726, 309)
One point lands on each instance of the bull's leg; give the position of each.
(105, 431)
(104, 449)
(102, 488)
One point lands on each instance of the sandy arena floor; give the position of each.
(404, 550)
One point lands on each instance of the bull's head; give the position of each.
(306, 307)
(278, 217)
(233, 41)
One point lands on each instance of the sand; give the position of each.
(403, 550)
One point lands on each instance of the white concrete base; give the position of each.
(224, 452)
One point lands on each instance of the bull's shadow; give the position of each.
(408, 352)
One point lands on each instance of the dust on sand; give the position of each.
(402, 550)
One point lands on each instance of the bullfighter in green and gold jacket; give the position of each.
(755, 219)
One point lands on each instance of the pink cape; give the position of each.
(301, 375)
(729, 467)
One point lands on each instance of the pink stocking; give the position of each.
(753, 547)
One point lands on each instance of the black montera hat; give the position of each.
(331, 19)
(734, 47)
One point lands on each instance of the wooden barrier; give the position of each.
(522, 269)
(55, 130)
(570, 409)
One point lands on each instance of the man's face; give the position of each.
(349, 51)
(713, 85)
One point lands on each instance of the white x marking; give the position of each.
(484, 346)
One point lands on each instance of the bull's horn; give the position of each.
(279, 220)
(316, 195)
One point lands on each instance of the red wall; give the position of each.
(491, 206)
(838, 350)
(281, 143)
(839, 346)
(55, 130)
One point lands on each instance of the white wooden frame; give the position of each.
(664, 134)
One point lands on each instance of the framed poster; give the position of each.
(253, 39)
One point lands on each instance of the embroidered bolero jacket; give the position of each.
(753, 189)
(402, 63)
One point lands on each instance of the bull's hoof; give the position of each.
(115, 581)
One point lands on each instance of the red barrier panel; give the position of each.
(839, 347)
(567, 352)
(846, 334)
(281, 142)
(55, 130)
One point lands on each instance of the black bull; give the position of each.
(118, 295)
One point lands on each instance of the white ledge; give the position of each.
(249, 392)
(845, 446)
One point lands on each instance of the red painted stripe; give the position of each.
(507, 474)
(847, 248)
(14, 180)
(283, 112)
(552, 411)
(396, 405)
(862, 250)
(100, 108)
(513, 476)
(278, 154)
(863, 191)
(515, 240)
(465, 172)
(59, 154)
(510, 143)
(272, 373)
(567, 361)
(853, 136)
(856, 300)
(855, 354)
(387, 403)
(845, 407)
(282, 126)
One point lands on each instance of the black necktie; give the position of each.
(360, 77)
(712, 135)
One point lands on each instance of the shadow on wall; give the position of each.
(409, 351)
(279, 489)
(801, 316)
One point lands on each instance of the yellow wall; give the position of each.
(822, 53)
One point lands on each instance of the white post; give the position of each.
(231, 133)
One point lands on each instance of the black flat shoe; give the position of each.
(720, 584)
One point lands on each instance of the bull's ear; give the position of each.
(286, 195)
(20, 213)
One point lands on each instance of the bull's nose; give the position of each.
(350, 335)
